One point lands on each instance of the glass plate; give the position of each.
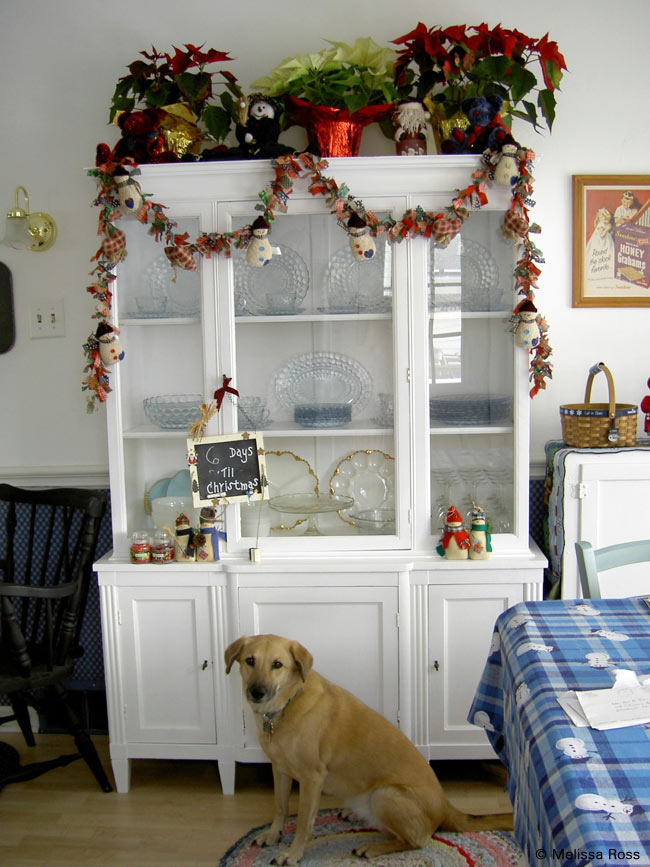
(464, 276)
(359, 286)
(183, 293)
(368, 476)
(277, 288)
(321, 378)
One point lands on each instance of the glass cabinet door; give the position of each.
(316, 352)
(473, 410)
(161, 381)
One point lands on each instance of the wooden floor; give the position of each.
(174, 813)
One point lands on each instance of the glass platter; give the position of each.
(463, 276)
(276, 289)
(368, 477)
(354, 286)
(182, 290)
(319, 378)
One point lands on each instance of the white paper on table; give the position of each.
(627, 703)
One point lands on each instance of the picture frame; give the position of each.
(611, 241)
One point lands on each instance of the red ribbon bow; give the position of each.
(220, 393)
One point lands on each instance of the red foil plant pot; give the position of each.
(335, 132)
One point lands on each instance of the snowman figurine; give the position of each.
(480, 544)
(128, 192)
(362, 243)
(259, 251)
(185, 549)
(455, 543)
(207, 539)
(527, 329)
(110, 348)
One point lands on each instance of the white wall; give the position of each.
(59, 63)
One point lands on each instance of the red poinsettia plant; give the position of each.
(449, 64)
(163, 79)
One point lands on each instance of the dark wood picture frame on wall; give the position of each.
(611, 240)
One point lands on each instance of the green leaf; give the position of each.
(217, 122)
(520, 81)
(546, 102)
(120, 103)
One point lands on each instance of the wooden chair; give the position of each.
(46, 559)
(591, 561)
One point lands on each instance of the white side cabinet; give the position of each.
(601, 497)
(392, 383)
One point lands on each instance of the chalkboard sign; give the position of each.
(227, 469)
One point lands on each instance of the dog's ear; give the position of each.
(233, 651)
(303, 659)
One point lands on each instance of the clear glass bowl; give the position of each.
(173, 411)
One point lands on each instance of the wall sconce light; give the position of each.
(33, 231)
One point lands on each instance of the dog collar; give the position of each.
(270, 720)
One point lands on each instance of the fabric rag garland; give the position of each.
(442, 227)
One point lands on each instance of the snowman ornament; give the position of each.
(362, 244)
(507, 168)
(110, 348)
(259, 251)
(526, 329)
(128, 192)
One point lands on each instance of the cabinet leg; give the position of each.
(227, 775)
(122, 774)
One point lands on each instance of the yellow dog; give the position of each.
(317, 733)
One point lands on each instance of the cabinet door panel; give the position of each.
(351, 633)
(461, 622)
(167, 665)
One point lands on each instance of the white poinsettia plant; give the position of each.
(343, 76)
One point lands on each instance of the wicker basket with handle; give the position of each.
(599, 425)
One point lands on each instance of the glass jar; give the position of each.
(162, 550)
(140, 547)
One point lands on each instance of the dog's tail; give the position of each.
(456, 820)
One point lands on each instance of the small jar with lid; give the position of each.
(140, 547)
(162, 550)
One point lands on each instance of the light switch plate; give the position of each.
(47, 319)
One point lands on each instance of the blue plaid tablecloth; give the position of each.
(580, 796)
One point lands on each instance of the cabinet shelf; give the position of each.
(313, 317)
(149, 321)
(470, 429)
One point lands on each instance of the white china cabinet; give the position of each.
(385, 390)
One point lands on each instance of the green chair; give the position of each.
(591, 561)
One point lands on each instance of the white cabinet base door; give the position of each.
(160, 674)
(350, 631)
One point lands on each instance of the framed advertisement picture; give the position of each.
(611, 241)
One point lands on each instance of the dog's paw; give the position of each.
(286, 858)
(360, 852)
(267, 838)
(347, 815)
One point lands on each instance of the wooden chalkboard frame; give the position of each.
(219, 491)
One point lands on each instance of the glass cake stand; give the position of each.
(310, 505)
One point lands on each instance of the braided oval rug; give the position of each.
(334, 838)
